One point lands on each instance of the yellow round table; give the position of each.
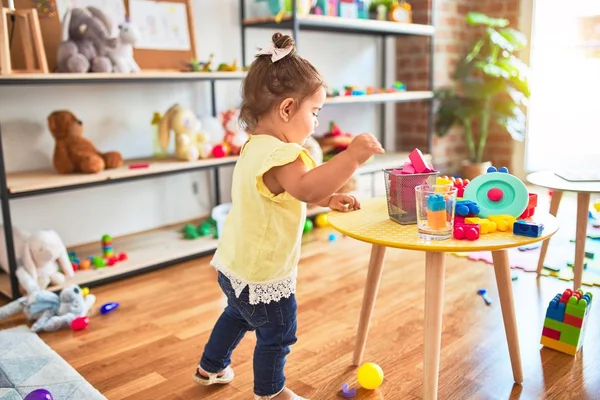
(371, 224)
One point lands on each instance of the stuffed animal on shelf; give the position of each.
(122, 55)
(86, 41)
(51, 312)
(190, 143)
(235, 136)
(73, 152)
(334, 141)
(39, 256)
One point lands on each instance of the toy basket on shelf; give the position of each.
(400, 192)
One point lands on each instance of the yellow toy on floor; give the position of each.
(190, 143)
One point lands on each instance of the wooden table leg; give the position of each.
(435, 264)
(583, 204)
(554, 203)
(504, 282)
(371, 289)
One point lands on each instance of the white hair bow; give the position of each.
(275, 52)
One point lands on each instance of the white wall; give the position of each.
(118, 117)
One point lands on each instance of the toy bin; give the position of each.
(400, 192)
(219, 213)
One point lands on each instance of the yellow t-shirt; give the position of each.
(260, 243)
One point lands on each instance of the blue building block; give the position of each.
(556, 309)
(436, 202)
(466, 208)
(525, 228)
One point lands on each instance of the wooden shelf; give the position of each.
(104, 78)
(396, 97)
(29, 183)
(338, 24)
(147, 250)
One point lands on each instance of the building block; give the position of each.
(485, 225)
(466, 208)
(566, 334)
(418, 161)
(558, 345)
(525, 228)
(466, 231)
(531, 205)
(551, 333)
(436, 202)
(573, 320)
(503, 222)
(556, 309)
(436, 219)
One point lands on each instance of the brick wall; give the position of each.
(452, 40)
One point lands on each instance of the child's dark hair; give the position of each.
(268, 81)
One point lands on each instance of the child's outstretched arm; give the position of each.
(314, 186)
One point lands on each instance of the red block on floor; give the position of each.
(551, 333)
(573, 320)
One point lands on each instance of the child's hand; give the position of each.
(343, 202)
(364, 146)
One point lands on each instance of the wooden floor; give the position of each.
(149, 347)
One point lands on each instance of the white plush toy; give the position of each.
(122, 55)
(38, 254)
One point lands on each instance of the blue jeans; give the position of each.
(275, 326)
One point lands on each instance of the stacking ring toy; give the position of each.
(497, 192)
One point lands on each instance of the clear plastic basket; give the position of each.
(400, 192)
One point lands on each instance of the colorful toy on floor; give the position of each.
(39, 394)
(347, 392)
(497, 192)
(483, 294)
(321, 220)
(369, 376)
(566, 320)
(525, 228)
(206, 228)
(108, 307)
(80, 323)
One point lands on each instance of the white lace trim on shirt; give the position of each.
(264, 292)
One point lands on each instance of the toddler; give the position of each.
(273, 179)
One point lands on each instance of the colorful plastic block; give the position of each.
(436, 202)
(556, 309)
(466, 231)
(565, 322)
(486, 226)
(466, 208)
(418, 161)
(504, 222)
(531, 205)
(436, 219)
(525, 228)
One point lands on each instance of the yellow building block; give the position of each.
(504, 222)
(559, 346)
(485, 225)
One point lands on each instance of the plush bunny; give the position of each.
(122, 55)
(190, 143)
(51, 311)
(39, 254)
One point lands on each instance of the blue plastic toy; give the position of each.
(466, 208)
(108, 307)
(525, 228)
(436, 202)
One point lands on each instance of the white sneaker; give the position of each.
(296, 397)
(213, 378)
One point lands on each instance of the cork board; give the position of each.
(147, 59)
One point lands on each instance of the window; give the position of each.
(564, 112)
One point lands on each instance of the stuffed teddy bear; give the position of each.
(86, 41)
(190, 143)
(51, 311)
(122, 55)
(235, 136)
(39, 256)
(73, 152)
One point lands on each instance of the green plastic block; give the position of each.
(576, 307)
(553, 324)
(568, 334)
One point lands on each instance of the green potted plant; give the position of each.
(490, 86)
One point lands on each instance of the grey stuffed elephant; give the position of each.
(52, 312)
(86, 41)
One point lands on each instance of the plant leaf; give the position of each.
(492, 70)
(477, 18)
(510, 116)
(479, 88)
(514, 37)
(496, 38)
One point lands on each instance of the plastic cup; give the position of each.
(435, 211)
